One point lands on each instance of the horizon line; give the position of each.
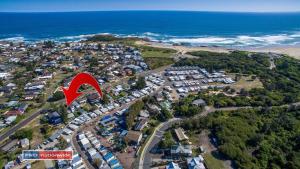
(78, 11)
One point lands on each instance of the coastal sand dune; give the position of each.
(288, 50)
(293, 51)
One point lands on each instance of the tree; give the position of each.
(238, 77)
(57, 96)
(62, 143)
(67, 44)
(105, 99)
(63, 112)
(167, 141)
(49, 44)
(133, 112)
(45, 130)
(141, 83)
(97, 162)
(41, 98)
(1, 83)
(164, 115)
(23, 133)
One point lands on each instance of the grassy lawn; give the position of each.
(156, 62)
(157, 57)
(148, 51)
(38, 164)
(247, 83)
(213, 163)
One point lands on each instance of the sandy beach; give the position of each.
(293, 51)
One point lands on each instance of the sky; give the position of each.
(186, 5)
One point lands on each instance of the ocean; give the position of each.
(189, 28)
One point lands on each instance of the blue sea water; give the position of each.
(193, 28)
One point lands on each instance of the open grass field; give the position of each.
(148, 51)
(247, 83)
(157, 57)
(156, 62)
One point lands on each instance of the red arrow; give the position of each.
(72, 93)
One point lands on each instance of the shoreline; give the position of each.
(292, 51)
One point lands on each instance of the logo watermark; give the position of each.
(47, 154)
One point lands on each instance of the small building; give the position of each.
(196, 163)
(93, 98)
(180, 134)
(85, 144)
(172, 165)
(108, 120)
(141, 125)
(144, 114)
(9, 165)
(181, 150)
(54, 136)
(10, 119)
(13, 113)
(133, 137)
(10, 146)
(76, 161)
(108, 157)
(199, 102)
(54, 118)
(24, 143)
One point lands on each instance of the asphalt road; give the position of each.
(19, 125)
(26, 121)
(145, 161)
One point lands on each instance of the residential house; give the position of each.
(54, 118)
(172, 165)
(13, 113)
(108, 120)
(196, 163)
(141, 125)
(10, 146)
(24, 143)
(93, 98)
(180, 134)
(133, 137)
(10, 119)
(181, 150)
(199, 102)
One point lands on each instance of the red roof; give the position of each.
(13, 113)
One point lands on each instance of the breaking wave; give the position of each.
(232, 41)
(242, 40)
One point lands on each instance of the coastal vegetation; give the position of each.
(255, 138)
(167, 141)
(112, 39)
(264, 136)
(157, 57)
(133, 112)
(185, 107)
(140, 83)
(280, 85)
(157, 62)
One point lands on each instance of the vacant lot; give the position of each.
(247, 83)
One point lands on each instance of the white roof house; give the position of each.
(172, 165)
(196, 163)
